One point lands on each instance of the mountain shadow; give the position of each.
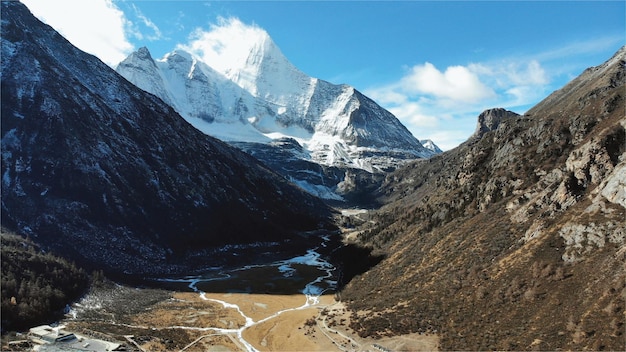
(101, 172)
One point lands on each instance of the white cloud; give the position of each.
(226, 44)
(387, 95)
(436, 104)
(94, 26)
(411, 113)
(507, 73)
(156, 32)
(582, 47)
(518, 82)
(534, 74)
(442, 105)
(456, 84)
(446, 139)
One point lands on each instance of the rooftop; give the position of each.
(56, 339)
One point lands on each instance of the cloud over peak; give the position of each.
(426, 98)
(226, 43)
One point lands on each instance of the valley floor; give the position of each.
(282, 305)
(154, 320)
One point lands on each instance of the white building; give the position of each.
(51, 339)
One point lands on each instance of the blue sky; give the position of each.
(435, 65)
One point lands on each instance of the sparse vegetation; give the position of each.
(473, 238)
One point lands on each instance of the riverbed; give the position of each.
(307, 277)
(278, 304)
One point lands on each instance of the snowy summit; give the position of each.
(235, 84)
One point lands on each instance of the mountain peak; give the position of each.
(140, 56)
(265, 72)
(144, 53)
(178, 55)
(274, 99)
(430, 145)
(242, 52)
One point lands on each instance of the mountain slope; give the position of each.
(258, 98)
(514, 240)
(103, 172)
(200, 94)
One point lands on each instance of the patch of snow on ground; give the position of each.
(350, 212)
(317, 190)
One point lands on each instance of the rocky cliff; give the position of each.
(489, 120)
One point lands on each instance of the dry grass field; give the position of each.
(154, 320)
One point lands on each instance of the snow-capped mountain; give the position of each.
(112, 176)
(429, 144)
(268, 98)
(258, 96)
(206, 98)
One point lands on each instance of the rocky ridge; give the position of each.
(514, 240)
(489, 120)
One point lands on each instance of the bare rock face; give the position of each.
(613, 189)
(489, 120)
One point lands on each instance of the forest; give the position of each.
(36, 286)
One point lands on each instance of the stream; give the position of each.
(310, 274)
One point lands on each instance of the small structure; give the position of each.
(45, 334)
(57, 339)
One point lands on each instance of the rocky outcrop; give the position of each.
(489, 120)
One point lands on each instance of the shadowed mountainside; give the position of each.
(110, 176)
